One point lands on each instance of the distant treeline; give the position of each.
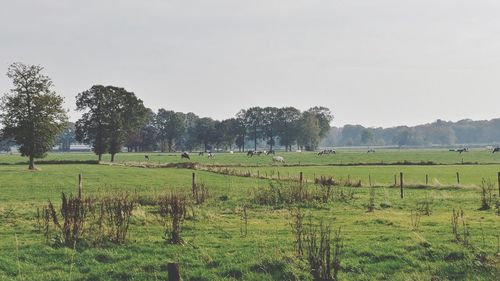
(166, 130)
(463, 132)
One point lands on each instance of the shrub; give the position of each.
(72, 219)
(115, 216)
(173, 208)
(200, 193)
(324, 262)
(487, 188)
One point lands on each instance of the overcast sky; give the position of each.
(375, 63)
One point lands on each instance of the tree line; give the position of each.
(444, 133)
(32, 116)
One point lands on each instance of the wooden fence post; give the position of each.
(401, 183)
(370, 180)
(80, 185)
(173, 272)
(301, 177)
(458, 178)
(395, 180)
(498, 184)
(193, 183)
(426, 179)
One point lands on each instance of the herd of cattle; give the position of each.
(280, 159)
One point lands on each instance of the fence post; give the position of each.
(395, 180)
(370, 180)
(193, 183)
(401, 183)
(498, 184)
(173, 272)
(258, 173)
(301, 177)
(458, 178)
(80, 185)
(426, 179)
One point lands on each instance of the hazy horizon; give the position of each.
(378, 64)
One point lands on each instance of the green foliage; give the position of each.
(170, 126)
(32, 113)
(110, 115)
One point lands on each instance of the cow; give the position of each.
(146, 157)
(185, 155)
(211, 155)
(250, 153)
(278, 159)
(327, 151)
(270, 152)
(201, 153)
(496, 149)
(371, 151)
(462, 150)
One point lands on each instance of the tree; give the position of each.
(127, 115)
(144, 138)
(269, 125)
(170, 126)
(289, 126)
(111, 114)
(367, 136)
(203, 132)
(93, 127)
(32, 113)
(324, 116)
(253, 122)
(241, 130)
(309, 131)
(230, 131)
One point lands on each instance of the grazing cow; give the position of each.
(185, 155)
(201, 153)
(146, 157)
(327, 151)
(250, 153)
(211, 155)
(371, 151)
(452, 150)
(258, 153)
(270, 152)
(496, 149)
(278, 159)
(462, 150)
(231, 152)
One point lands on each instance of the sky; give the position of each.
(374, 63)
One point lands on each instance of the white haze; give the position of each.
(376, 63)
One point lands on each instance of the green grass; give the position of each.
(343, 157)
(379, 245)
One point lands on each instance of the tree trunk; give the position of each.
(255, 143)
(170, 145)
(112, 157)
(99, 157)
(32, 163)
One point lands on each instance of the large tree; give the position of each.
(309, 131)
(111, 115)
(324, 116)
(289, 126)
(203, 132)
(270, 125)
(253, 122)
(32, 113)
(170, 126)
(93, 126)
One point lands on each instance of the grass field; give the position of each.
(379, 245)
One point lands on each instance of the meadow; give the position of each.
(388, 242)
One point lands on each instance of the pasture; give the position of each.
(387, 243)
